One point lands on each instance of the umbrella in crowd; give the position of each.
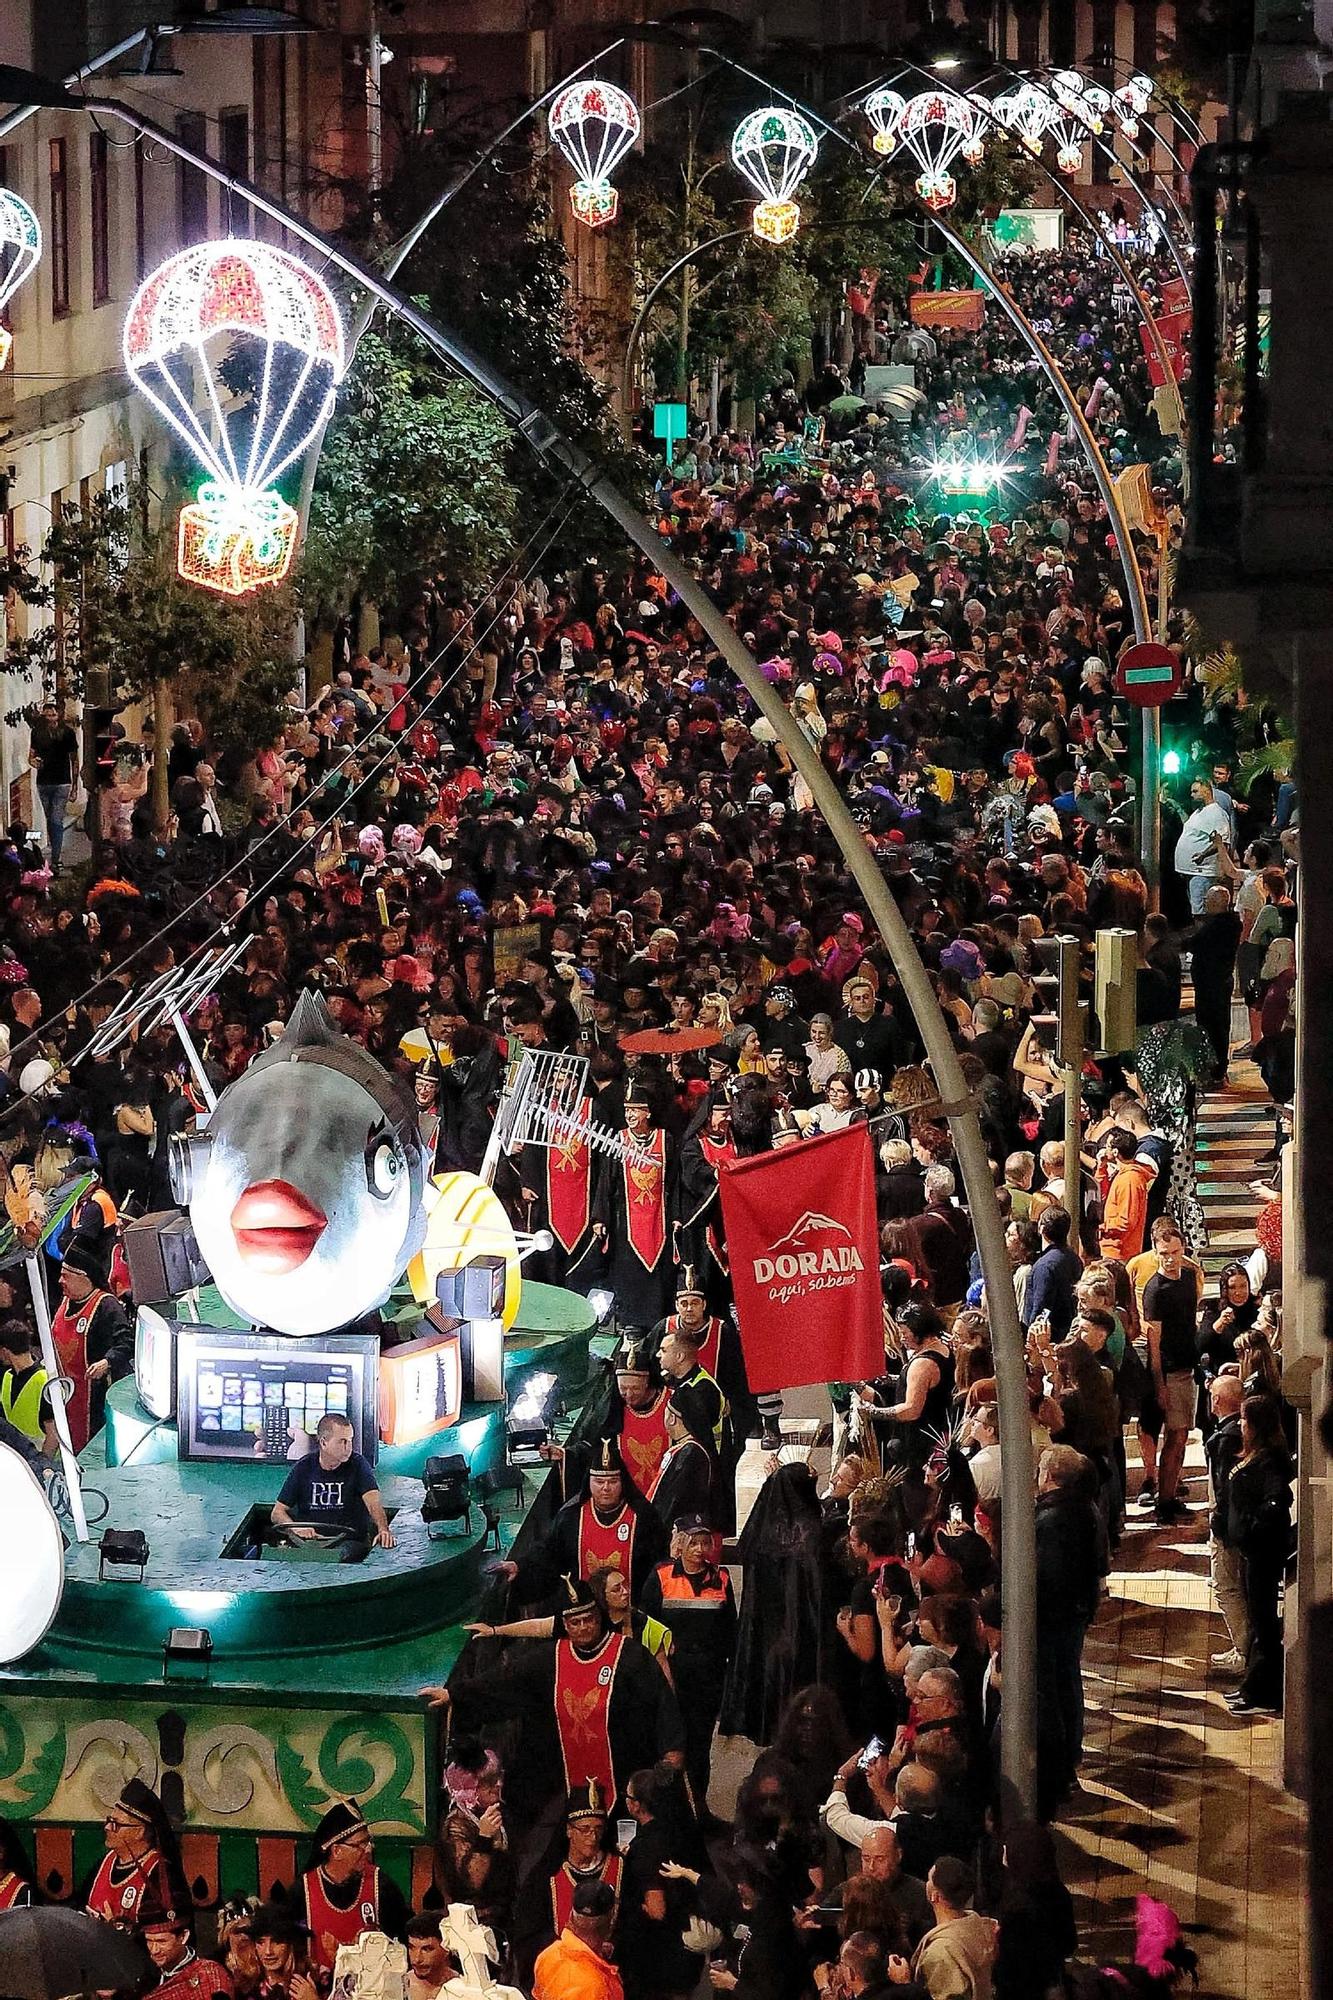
(45, 1953)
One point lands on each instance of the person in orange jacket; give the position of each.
(578, 1965)
(1123, 1180)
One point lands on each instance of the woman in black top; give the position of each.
(1259, 1525)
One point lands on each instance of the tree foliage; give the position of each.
(411, 480)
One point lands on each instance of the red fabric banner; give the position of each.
(805, 1261)
(965, 310)
(1174, 329)
(1175, 296)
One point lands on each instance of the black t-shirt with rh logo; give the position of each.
(318, 1498)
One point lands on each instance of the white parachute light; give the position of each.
(775, 149)
(594, 124)
(20, 253)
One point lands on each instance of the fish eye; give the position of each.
(383, 1165)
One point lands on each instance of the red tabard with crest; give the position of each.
(583, 1711)
(643, 1442)
(606, 1544)
(118, 1891)
(330, 1926)
(569, 1186)
(566, 1880)
(645, 1199)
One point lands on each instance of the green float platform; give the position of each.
(312, 1689)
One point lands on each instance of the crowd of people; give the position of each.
(550, 819)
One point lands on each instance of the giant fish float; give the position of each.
(306, 1187)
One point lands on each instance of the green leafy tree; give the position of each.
(411, 479)
(119, 611)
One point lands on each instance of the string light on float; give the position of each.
(884, 108)
(594, 124)
(775, 149)
(227, 307)
(935, 126)
(20, 253)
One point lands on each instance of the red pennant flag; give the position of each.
(804, 1245)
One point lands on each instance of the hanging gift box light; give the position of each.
(934, 127)
(1026, 113)
(20, 252)
(1073, 118)
(594, 124)
(884, 108)
(254, 313)
(775, 150)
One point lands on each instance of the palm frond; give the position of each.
(1275, 759)
(1220, 674)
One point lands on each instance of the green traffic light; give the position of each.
(1171, 762)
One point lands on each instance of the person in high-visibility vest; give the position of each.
(25, 1387)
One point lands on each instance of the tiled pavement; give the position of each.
(1179, 1797)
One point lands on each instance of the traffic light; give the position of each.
(1172, 763)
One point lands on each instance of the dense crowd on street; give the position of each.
(549, 818)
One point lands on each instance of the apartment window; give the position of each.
(192, 131)
(58, 252)
(234, 150)
(1103, 30)
(1060, 35)
(99, 202)
(1145, 35)
(1027, 34)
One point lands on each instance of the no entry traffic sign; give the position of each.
(1148, 675)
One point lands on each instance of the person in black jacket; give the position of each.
(1222, 1447)
(1071, 1562)
(1259, 1525)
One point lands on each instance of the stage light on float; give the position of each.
(775, 149)
(236, 307)
(32, 1574)
(531, 1418)
(594, 124)
(603, 1304)
(884, 108)
(448, 1495)
(20, 254)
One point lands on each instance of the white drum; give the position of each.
(32, 1560)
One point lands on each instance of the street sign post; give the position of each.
(670, 423)
(1148, 675)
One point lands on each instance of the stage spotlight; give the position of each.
(448, 1491)
(189, 1645)
(530, 1419)
(123, 1548)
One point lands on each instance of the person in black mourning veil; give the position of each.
(779, 1631)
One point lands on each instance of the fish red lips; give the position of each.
(276, 1227)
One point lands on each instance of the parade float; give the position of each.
(248, 1677)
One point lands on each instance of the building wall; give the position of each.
(71, 420)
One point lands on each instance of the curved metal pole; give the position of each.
(632, 344)
(1018, 1559)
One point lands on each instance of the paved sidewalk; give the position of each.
(1180, 1798)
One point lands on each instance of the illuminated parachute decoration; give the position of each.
(1026, 112)
(253, 324)
(1130, 103)
(20, 252)
(973, 148)
(774, 149)
(594, 124)
(884, 108)
(935, 126)
(1077, 111)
